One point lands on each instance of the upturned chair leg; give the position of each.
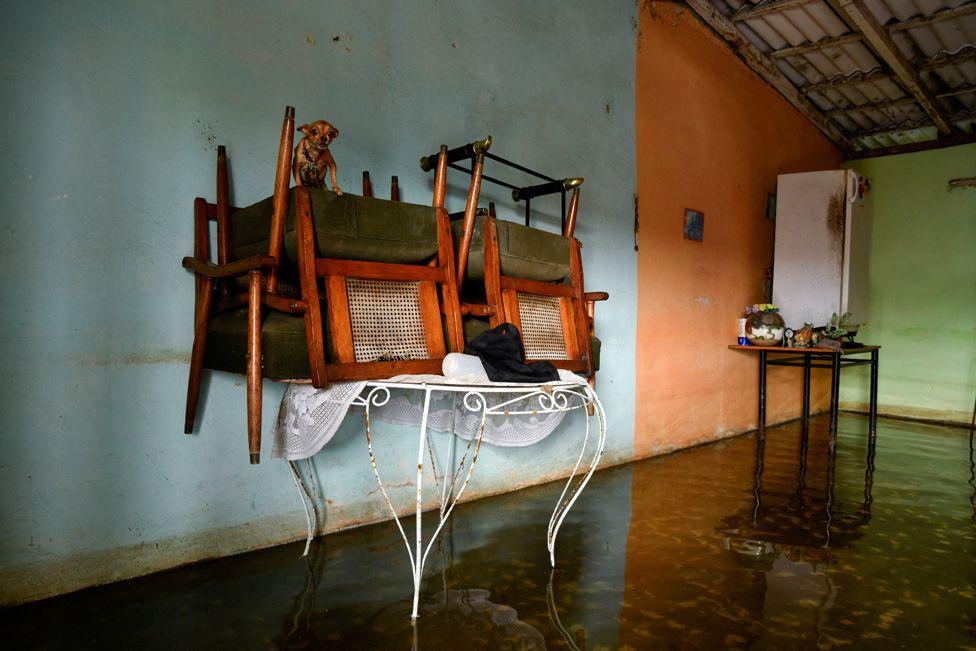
(590, 322)
(201, 321)
(254, 366)
(280, 201)
(367, 184)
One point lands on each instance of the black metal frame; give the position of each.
(519, 193)
(810, 359)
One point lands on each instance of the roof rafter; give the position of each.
(857, 77)
(963, 54)
(833, 41)
(748, 11)
(921, 21)
(945, 141)
(880, 41)
(955, 92)
(766, 68)
(875, 106)
(892, 127)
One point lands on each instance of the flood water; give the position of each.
(780, 543)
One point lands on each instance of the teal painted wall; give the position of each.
(922, 285)
(111, 116)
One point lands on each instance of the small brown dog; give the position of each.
(312, 156)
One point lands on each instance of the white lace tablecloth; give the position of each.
(308, 417)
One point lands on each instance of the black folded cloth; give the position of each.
(500, 351)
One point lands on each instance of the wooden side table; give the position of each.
(808, 358)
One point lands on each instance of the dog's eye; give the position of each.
(315, 132)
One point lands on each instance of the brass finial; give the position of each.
(481, 146)
(569, 184)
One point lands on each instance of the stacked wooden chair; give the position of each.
(526, 276)
(534, 280)
(310, 286)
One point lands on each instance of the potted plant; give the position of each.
(764, 325)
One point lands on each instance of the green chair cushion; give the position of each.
(523, 252)
(348, 227)
(282, 344)
(595, 346)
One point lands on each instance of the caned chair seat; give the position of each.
(523, 252)
(384, 316)
(474, 326)
(347, 227)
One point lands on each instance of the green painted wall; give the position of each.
(922, 285)
(110, 116)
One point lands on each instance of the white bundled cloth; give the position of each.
(309, 417)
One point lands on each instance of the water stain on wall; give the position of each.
(835, 221)
(155, 357)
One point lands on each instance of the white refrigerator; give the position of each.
(820, 263)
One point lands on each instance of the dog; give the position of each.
(313, 158)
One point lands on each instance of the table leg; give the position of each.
(450, 455)
(834, 394)
(418, 566)
(417, 552)
(762, 393)
(311, 515)
(565, 503)
(873, 409)
(806, 393)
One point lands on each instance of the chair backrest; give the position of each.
(384, 319)
(551, 316)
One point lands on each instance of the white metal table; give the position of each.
(510, 400)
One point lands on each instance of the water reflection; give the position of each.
(972, 472)
(786, 535)
(787, 541)
(799, 512)
(802, 553)
(449, 615)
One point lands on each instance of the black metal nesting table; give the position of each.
(808, 358)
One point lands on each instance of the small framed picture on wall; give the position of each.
(694, 225)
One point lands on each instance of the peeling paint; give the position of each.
(209, 136)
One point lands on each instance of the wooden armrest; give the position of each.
(595, 296)
(477, 309)
(235, 268)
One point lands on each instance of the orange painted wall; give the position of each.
(711, 136)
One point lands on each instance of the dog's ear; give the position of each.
(304, 129)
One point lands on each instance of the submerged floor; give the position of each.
(741, 543)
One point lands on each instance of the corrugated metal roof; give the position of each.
(838, 71)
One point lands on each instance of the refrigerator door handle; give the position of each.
(853, 182)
